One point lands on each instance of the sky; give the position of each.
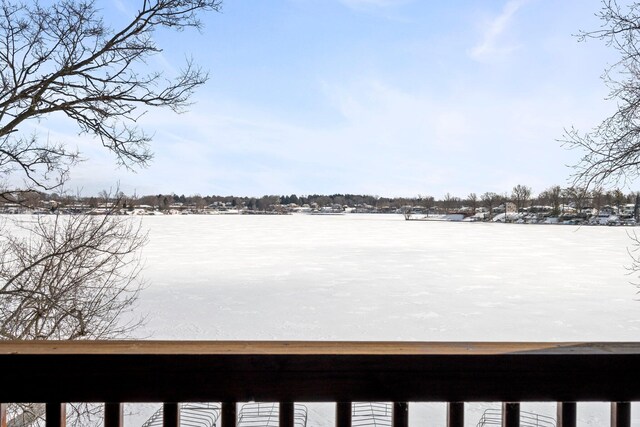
(379, 97)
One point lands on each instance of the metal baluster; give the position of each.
(400, 414)
(229, 414)
(113, 416)
(171, 414)
(510, 414)
(455, 414)
(566, 414)
(343, 414)
(286, 414)
(56, 415)
(620, 414)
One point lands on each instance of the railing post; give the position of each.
(286, 414)
(620, 414)
(400, 414)
(170, 414)
(510, 414)
(455, 414)
(3, 415)
(113, 416)
(228, 413)
(56, 415)
(566, 414)
(343, 414)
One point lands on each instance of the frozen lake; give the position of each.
(378, 277)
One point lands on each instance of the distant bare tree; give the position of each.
(619, 198)
(554, 195)
(576, 195)
(472, 200)
(104, 196)
(521, 195)
(199, 202)
(597, 198)
(489, 201)
(450, 202)
(429, 201)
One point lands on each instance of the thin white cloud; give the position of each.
(389, 141)
(491, 42)
(124, 9)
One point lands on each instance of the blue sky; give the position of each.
(383, 97)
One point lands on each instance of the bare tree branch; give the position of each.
(64, 59)
(611, 151)
(73, 277)
(69, 277)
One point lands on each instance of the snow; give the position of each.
(378, 277)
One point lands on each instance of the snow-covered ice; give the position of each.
(378, 277)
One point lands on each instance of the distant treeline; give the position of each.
(521, 195)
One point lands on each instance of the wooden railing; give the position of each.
(342, 372)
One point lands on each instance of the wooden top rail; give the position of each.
(130, 347)
(182, 371)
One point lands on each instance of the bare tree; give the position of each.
(69, 277)
(554, 195)
(597, 198)
(450, 203)
(619, 199)
(429, 202)
(577, 196)
(472, 200)
(63, 59)
(490, 200)
(73, 277)
(521, 195)
(611, 152)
